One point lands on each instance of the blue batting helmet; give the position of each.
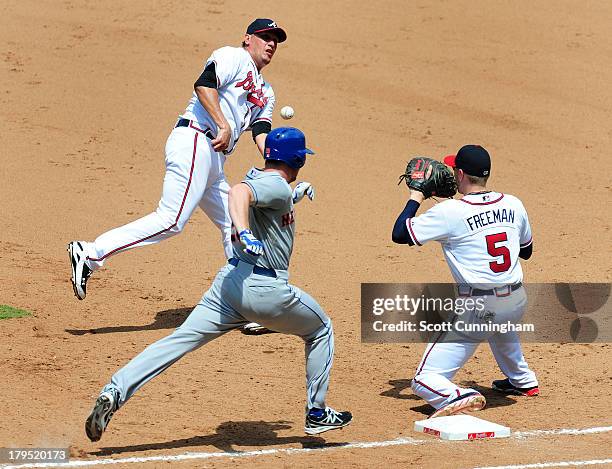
(288, 145)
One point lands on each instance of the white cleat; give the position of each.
(254, 328)
(468, 402)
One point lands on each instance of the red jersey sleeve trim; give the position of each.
(411, 232)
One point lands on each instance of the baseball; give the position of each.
(286, 112)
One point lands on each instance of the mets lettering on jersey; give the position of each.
(288, 218)
(481, 236)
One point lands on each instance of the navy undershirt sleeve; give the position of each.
(208, 77)
(260, 127)
(400, 233)
(525, 253)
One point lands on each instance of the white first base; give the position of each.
(461, 427)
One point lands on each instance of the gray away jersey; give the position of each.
(271, 220)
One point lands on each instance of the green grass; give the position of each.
(7, 312)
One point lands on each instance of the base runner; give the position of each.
(253, 286)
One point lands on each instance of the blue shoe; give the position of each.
(322, 420)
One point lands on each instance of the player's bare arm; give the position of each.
(240, 198)
(260, 141)
(417, 196)
(209, 99)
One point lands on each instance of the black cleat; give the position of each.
(504, 385)
(101, 414)
(319, 421)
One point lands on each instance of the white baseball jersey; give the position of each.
(481, 236)
(245, 97)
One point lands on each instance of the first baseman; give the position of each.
(253, 286)
(483, 234)
(229, 97)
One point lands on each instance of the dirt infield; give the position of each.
(89, 94)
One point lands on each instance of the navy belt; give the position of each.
(499, 291)
(188, 123)
(256, 269)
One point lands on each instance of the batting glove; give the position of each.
(251, 244)
(303, 189)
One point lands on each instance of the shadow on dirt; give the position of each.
(400, 389)
(228, 435)
(167, 319)
(494, 398)
(397, 386)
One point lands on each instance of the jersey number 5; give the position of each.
(497, 251)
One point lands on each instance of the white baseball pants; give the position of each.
(444, 357)
(194, 176)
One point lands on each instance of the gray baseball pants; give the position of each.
(236, 297)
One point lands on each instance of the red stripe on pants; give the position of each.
(178, 216)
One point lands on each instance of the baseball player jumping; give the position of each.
(253, 286)
(482, 235)
(229, 97)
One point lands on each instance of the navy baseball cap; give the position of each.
(472, 159)
(265, 24)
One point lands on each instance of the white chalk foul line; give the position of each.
(562, 431)
(237, 454)
(266, 452)
(592, 462)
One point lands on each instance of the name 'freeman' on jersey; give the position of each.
(489, 217)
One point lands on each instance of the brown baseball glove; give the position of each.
(430, 177)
